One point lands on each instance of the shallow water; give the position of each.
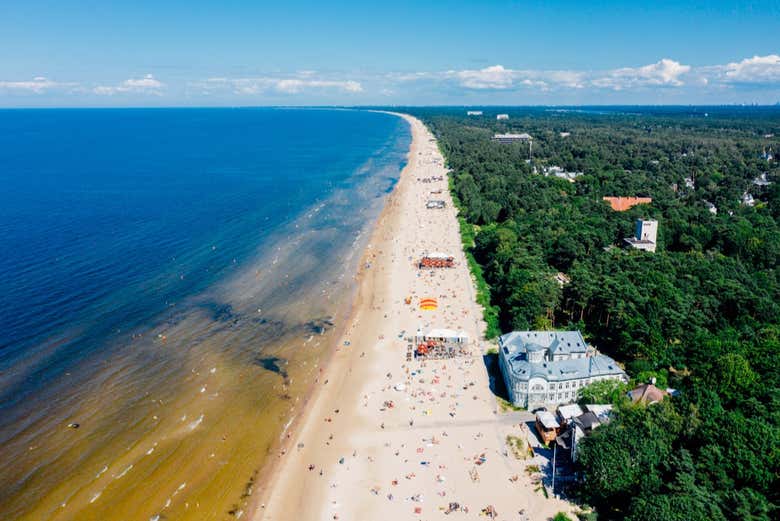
(170, 283)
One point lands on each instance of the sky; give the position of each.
(67, 53)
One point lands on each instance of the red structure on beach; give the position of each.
(437, 260)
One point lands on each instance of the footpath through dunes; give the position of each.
(389, 436)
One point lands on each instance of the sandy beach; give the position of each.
(387, 438)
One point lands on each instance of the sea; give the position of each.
(171, 282)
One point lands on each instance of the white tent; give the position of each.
(438, 255)
(442, 335)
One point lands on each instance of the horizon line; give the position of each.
(374, 106)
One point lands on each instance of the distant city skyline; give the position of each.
(71, 54)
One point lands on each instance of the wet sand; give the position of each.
(352, 455)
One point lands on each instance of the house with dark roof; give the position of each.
(581, 426)
(543, 368)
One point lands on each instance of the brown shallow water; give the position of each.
(178, 423)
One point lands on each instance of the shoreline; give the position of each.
(346, 455)
(268, 475)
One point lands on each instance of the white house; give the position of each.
(645, 235)
(549, 367)
(560, 173)
(512, 138)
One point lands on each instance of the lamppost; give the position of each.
(555, 446)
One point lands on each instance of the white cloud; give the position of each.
(500, 78)
(251, 86)
(665, 72)
(292, 86)
(146, 85)
(493, 77)
(757, 73)
(37, 85)
(758, 69)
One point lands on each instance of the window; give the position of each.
(552, 387)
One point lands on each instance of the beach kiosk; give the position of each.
(440, 343)
(437, 260)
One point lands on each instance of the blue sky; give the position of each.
(153, 53)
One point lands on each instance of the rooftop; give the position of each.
(438, 255)
(567, 412)
(573, 363)
(647, 393)
(442, 333)
(555, 341)
(621, 204)
(547, 420)
(587, 421)
(522, 136)
(562, 370)
(602, 411)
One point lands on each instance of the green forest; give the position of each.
(701, 314)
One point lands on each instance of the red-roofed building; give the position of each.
(621, 204)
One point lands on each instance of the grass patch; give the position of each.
(517, 445)
(505, 405)
(489, 311)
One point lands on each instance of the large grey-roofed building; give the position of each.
(548, 367)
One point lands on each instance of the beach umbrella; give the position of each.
(428, 304)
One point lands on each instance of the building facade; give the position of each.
(543, 368)
(645, 235)
(511, 138)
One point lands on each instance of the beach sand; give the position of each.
(350, 456)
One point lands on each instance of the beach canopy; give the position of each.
(442, 335)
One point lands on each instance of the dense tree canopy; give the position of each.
(701, 313)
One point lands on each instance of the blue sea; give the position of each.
(136, 235)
